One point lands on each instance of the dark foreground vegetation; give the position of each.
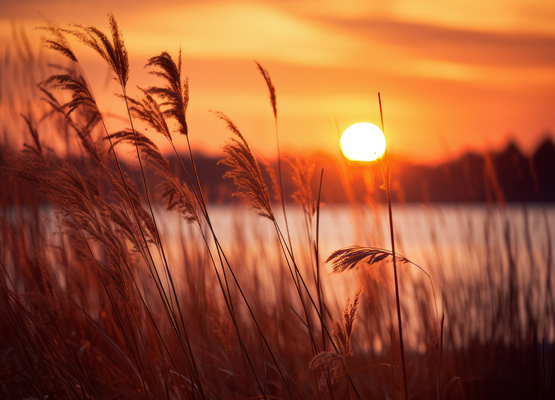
(97, 304)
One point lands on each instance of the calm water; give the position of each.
(448, 241)
(467, 250)
(421, 231)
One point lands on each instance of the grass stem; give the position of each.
(387, 185)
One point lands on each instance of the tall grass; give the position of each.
(102, 299)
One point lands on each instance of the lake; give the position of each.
(473, 253)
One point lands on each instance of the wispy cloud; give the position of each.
(237, 31)
(456, 45)
(463, 69)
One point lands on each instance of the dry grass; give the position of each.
(100, 300)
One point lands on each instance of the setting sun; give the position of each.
(363, 141)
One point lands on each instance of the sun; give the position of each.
(363, 141)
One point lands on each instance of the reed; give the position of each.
(104, 295)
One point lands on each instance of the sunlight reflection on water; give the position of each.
(468, 251)
(448, 241)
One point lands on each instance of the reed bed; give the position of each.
(103, 297)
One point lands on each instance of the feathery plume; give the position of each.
(343, 333)
(148, 111)
(178, 196)
(245, 172)
(80, 93)
(37, 150)
(274, 178)
(59, 43)
(48, 288)
(175, 94)
(332, 363)
(355, 256)
(113, 52)
(303, 171)
(270, 85)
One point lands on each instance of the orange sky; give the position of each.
(454, 75)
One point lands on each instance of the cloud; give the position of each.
(239, 31)
(456, 45)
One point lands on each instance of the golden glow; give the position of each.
(363, 142)
(320, 55)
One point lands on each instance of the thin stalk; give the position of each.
(440, 358)
(254, 319)
(392, 235)
(316, 254)
(299, 278)
(138, 223)
(131, 309)
(281, 187)
(544, 369)
(314, 305)
(552, 371)
(232, 313)
(225, 288)
(152, 266)
(190, 350)
(227, 296)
